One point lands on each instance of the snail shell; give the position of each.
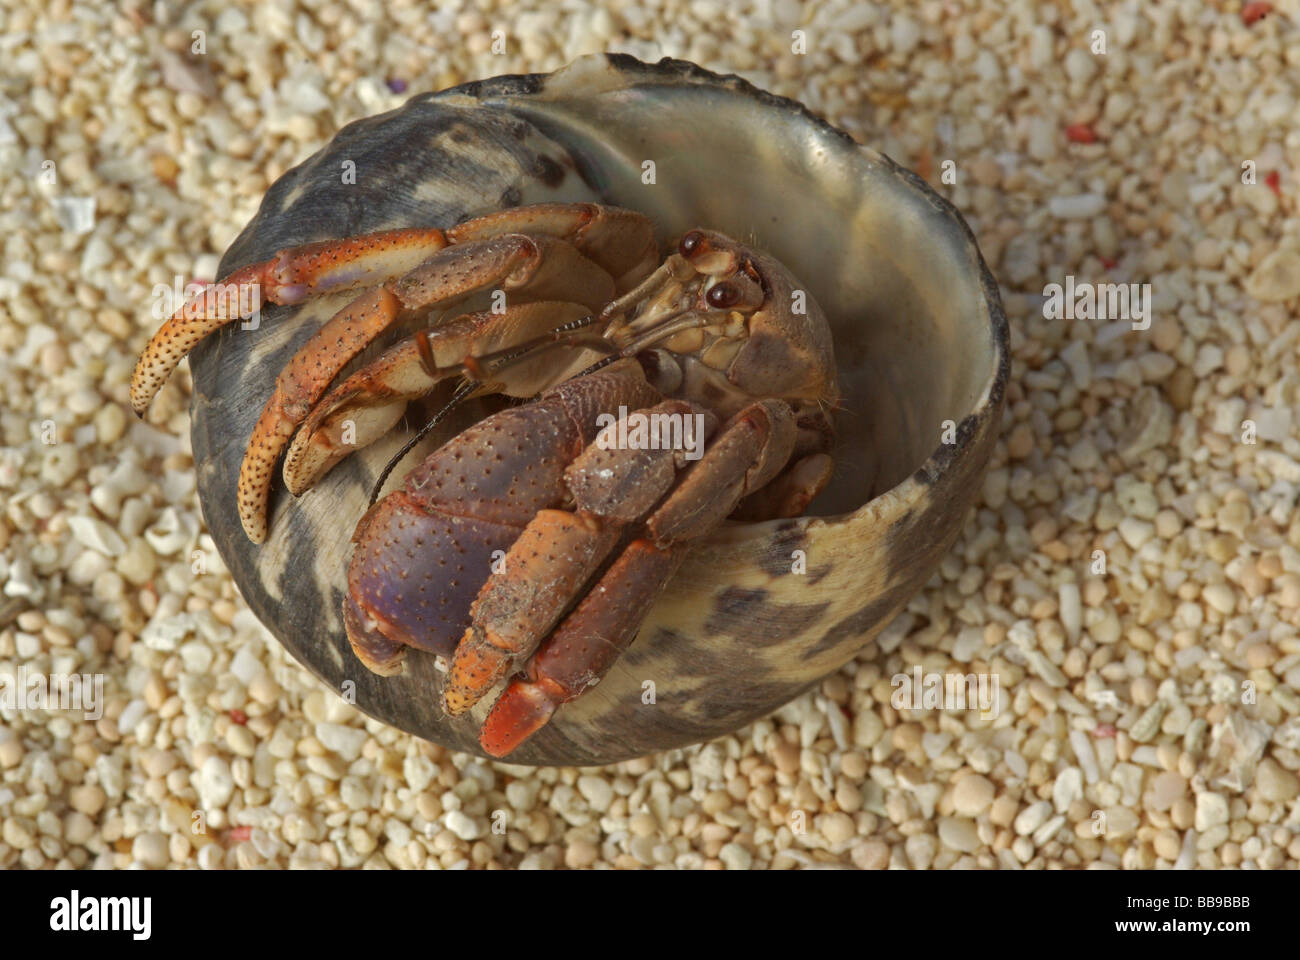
(758, 612)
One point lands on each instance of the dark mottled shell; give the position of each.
(920, 339)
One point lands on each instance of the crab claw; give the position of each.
(583, 647)
(544, 569)
(522, 710)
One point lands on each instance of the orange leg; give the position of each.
(297, 387)
(620, 242)
(291, 276)
(578, 253)
(528, 266)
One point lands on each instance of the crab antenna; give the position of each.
(463, 391)
(558, 337)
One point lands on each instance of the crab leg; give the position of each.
(790, 492)
(584, 647)
(537, 267)
(346, 333)
(751, 448)
(621, 241)
(809, 470)
(367, 404)
(544, 569)
(291, 276)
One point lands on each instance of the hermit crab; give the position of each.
(541, 487)
(495, 288)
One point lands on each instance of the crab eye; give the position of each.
(722, 294)
(690, 242)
